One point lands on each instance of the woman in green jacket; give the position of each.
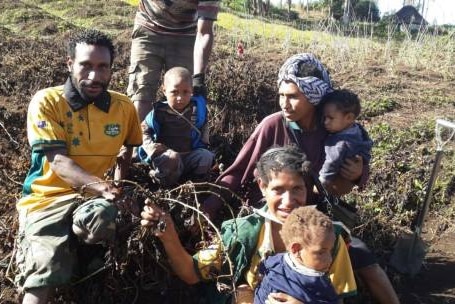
(283, 173)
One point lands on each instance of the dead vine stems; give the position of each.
(141, 246)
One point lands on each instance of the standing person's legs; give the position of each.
(148, 53)
(371, 274)
(179, 52)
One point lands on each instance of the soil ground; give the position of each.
(28, 64)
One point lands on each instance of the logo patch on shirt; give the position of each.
(41, 124)
(112, 130)
(76, 141)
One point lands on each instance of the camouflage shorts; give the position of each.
(46, 244)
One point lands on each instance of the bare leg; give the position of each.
(37, 295)
(378, 284)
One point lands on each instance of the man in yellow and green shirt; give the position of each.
(76, 132)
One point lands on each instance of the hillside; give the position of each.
(404, 85)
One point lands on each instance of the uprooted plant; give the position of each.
(137, 263)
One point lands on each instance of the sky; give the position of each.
(439, 11)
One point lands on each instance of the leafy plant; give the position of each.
(372, 108)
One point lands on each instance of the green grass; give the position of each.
(389, 140)
(248, 29)
(372, 108)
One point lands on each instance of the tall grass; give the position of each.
(346, 47)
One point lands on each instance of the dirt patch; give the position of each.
(434, 284)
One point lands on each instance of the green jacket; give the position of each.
(240, 236)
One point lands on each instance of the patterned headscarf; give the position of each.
(314, 88)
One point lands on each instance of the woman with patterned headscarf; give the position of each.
(302, 82)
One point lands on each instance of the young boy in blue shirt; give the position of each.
(175, 134)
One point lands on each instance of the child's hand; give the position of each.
(154, 149)
(159, 149)
(351, 169)
(279, 297)
(102, 188)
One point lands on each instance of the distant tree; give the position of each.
(289, 2)
(362, 9)
(336, 8)
(347, 11)
(256, 7)
(367, 10)
(266, 7)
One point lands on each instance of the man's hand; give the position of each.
(123, 163)
(73, 174)
(112, 193)
(199, 87)
(352, 168)
(104, 189)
